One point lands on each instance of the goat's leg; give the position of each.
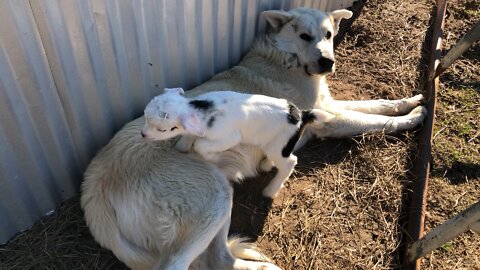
(266, 165)
(285, 166)
(205, 146)
(185, 143)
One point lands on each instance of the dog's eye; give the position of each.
(173, 128)
(161, 130)
(306, 37)
(328, 35)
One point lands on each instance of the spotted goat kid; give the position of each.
(217, 121)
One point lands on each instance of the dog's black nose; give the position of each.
(143, 135)
(325, 64)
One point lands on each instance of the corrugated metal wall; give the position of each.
(72, 72)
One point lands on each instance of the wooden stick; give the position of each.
(462, 45)
(468, 219)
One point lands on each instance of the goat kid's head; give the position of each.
(308, 35)
(169, 115)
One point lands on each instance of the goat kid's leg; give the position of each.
(285, 167)
(185, 143)
(378, 106)
(306, 136)
(266, 165)
(206, 147)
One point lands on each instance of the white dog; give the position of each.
(221, 120)
(156, 207)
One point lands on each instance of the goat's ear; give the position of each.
(337, 16)
(192, 124)
(323, 116)
(174, 90)
(277, 18)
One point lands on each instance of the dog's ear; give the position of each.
(174, 90)
(323, 116)
(337, 16)
(277, 18)
(192, 124)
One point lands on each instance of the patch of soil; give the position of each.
(344, 206)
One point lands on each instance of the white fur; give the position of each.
(154, 206)
(231, 119)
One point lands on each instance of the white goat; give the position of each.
(217, 121)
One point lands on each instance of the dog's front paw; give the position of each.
(419, 111)
(407, 104)
(417, 115)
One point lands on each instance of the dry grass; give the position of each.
(59, 241)
(345, 205)
(343, 215)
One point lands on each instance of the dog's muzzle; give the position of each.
(325, 65)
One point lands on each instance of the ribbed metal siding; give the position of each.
(72, 72)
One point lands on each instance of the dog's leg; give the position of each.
(201, 231)
(219, 255)
(379, 106)
(285, 167)
(350, 123)
(195, 244)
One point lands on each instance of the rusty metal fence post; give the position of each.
(418, 199)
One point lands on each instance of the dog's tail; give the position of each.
(240, 248)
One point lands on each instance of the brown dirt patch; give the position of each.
(344, 207)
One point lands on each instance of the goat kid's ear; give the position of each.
(323, 116)
(277, 18)
(337, 16)
(192, 124)
(177, 90)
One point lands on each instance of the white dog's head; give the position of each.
(162, 115)
(308, 35)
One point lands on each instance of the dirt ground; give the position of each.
(345, 206)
